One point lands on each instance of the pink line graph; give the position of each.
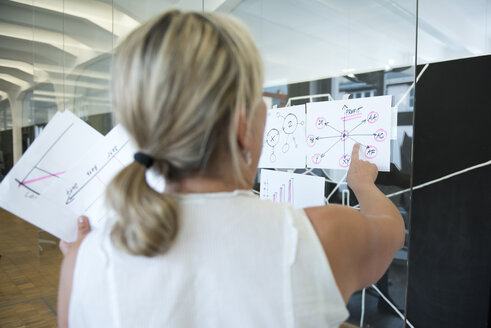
(44, 177)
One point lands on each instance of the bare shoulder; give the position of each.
(349, 241)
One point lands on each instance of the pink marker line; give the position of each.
(117, 159)
(350, 117)
(290, 191)
(100, 180)
(44, 177)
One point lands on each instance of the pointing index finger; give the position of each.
(354, 153)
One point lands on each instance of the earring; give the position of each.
(248, 157)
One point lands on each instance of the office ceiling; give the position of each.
(48, 40)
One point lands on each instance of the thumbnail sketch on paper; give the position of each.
(284, 133)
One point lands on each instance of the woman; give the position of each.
(207, 252)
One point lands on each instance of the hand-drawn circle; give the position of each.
(311, 140)
(372, 117)
(345, 161)
(290, 123)
(316, 158)
(380, 135)
(320, 122)
(344, 135)
(273, 137)
(371, 152)
(285, 147)
(272, 158)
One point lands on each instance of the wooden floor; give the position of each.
(29, 272)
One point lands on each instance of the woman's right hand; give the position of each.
(83, 226)
(361, 173)
(360, 245)
(69, 251)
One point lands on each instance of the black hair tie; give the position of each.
(144, 159)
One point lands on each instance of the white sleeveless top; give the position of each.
(237, 262)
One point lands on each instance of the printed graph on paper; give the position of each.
(46, 162)
(296, 189)
(83, 188)
(283, 194)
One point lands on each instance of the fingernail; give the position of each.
(80, 220)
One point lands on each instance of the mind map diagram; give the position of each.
(283, 145)
(334, 127)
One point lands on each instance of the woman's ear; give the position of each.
(243, 135)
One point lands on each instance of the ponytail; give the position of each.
(178, 82)
(147, 220)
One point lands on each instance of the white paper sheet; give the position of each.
(333, 127)
(297, 189)
(284, 135)
(83, 189)
(63, 141)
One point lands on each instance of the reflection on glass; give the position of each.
(56, 55)
(321, 50)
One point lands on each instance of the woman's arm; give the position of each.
(360, 245)
(69, 251)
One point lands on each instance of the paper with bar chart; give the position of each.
(296, 189)
(23, 191)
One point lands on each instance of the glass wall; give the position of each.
(449, 276)
(54, 55)
(321, 50)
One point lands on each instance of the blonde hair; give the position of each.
(178, 82)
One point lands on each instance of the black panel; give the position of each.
(453, 117)
(450, 238)
(449, 259)
(298, 89)
(8, 156)
(404, 118)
